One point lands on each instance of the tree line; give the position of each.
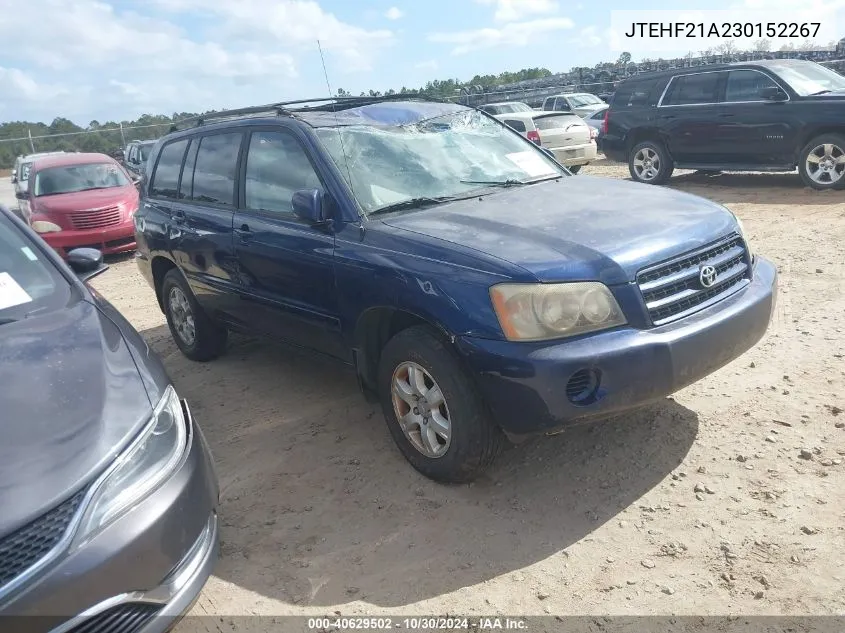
(65, 135)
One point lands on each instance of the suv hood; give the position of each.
(579, 227)
(71, 399)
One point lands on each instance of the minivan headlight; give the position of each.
(140, 469)
(536, 312)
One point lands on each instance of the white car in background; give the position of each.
(567, 136)
(580, 103)
(505, 107)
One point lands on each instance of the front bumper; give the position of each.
(576, 154)
(525, 383)
(112, 240)
(143, 571)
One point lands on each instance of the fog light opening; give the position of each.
(583, 387)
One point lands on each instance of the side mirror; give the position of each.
(21, 195)
(773, 93)
(136, 180)
(86, 262)
(308, 205)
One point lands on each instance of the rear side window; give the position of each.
(555, 122)
(165, 180)
(276, 166)
(188, 171)
(701, 88)
(516, 124)
(216, 165)
(746, 85)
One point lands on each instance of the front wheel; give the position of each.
(649, 162)
(432, 409)
(822, 162)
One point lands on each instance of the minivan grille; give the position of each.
(95, 218)
(29, 544)
(674, 289)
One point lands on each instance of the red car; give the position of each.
(83, 200)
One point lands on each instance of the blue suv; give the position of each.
(479, 290)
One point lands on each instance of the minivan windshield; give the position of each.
(442, 157)
(29, 283)
(73, 178)
(808, 78)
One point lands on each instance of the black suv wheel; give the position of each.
(649, 162)
(822, 162)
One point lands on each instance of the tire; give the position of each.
(575, 168)
(659, 169)
(473, 441)
(209, 338)
(819, 164)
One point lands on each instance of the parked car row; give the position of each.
(477, 289)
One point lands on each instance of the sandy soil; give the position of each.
(722, 499)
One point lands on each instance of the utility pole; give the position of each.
(31, 143)
(122, 137)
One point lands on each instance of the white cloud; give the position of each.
(589, 36)
(393, 13)
(512, 34)
(430, 64)
(512, 10)
(108, 63)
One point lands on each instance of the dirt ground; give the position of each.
(722, 499)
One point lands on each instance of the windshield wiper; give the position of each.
(413, 203)
(510, 182)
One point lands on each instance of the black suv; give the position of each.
(772, 115)
(136, 154)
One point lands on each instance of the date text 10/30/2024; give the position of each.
(416, 624)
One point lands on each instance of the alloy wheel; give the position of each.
(647, 164)
(182, 316)
(421, 409)
(826, 164)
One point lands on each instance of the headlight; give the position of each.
(536, 312)
(42, 226)
(141, 468)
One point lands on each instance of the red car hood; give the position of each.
(88, 200)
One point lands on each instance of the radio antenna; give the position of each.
(337, 119)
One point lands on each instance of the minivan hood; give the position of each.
(71, 399)
(578, 227)
(84, 200)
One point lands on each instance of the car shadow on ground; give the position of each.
(754, 188)
(319, 508)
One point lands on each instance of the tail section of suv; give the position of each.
(477, 288)
(774, 115)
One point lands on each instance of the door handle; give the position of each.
(244, 232)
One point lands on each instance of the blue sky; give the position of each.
(117, 59)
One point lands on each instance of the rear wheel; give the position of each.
(822, 162)
(197, 336)
(432, 409)
(649, 162)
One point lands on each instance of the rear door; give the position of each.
(688, 116)
(286, 265)
(193, 185)
(753, 130)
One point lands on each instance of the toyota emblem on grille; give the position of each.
(707, 276)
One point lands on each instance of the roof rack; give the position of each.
(283, 108)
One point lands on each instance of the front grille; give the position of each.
(673, 289)
(124, 618)
(95, 218)
(25, 547)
